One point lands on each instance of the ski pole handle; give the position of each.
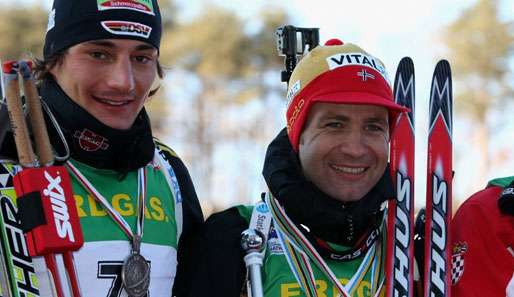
(26, 154)
(252, 242)
(37, 121)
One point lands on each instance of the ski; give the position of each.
(437, 266)
(400, 221)
(18, 274)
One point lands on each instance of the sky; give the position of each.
(391, 30)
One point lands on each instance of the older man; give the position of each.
(329, 179)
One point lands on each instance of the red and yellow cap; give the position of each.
(337, 73)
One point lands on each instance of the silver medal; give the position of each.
(135, 272)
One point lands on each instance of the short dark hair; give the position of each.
(42, 68)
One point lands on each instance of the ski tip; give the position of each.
(407, 60)
(407, 64)
(405, 67)
(441, 96)
(442, 72)
(404, 85)
(443, 62)
(443, 66)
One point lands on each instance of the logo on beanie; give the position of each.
(145, 6)
(127, 28)
(352, 59)
(90, 141)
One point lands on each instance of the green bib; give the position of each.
(97, 225)
(98, 263)
(279, 281)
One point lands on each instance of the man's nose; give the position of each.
(121, 76)
(354, 144)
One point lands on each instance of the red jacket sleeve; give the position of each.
(482, 241)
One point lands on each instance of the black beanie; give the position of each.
(74, 21)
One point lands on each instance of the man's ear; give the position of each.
(52, 69)
(156, 85)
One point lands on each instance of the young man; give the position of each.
(483, 242)
(99, 68)
(329, 180)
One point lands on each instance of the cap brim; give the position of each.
(360, 98)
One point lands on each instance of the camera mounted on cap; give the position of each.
(291, 42)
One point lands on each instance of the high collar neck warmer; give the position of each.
(93, 143)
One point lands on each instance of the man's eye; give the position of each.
(334, 125)
(142, 59)
(375, 128)
(98, 55)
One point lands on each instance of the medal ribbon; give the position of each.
(299, 252)
(356, 252)
(118, 219)
(376, 280)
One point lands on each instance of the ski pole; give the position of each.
(44, 151)
(252, 242)
(26, 156)
(58, 229)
